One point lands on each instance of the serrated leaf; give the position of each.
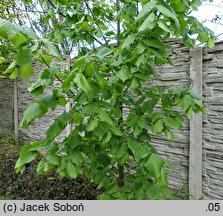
(124, 74)
(32, 112)
(76, 157)
(166, 12)
(142, 123)
(163, 26)
(10, 67)
(188, 41)
(148, 23)
(141, 60)
(77, 118)
(185, 102)
(103, 52)
(154, 165)
(72, 170)
(100, 131)
(26, 156)
(140, 193)
(53, 159)
(146, 9)
(103, 116)
(174, 123)
(128, 41)
(107, 137)
(92, 124)
(158, 126)
(143, 152)
(50, 48)
(101, 80)
(82, 82)
(135, 83)
(133, 145)
(115, 130)
(132, 120)
(23, 57)
(14, 74)
(189, 113)
(90, 108)
(26, 71)
(55, 129)
(163, 181)
(169, 135)
(211, 43)
(121, 150)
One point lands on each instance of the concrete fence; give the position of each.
(197, 152)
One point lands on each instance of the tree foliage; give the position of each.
(118, 45)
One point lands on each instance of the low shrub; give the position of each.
(29, 185)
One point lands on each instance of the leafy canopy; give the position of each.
(108, 76)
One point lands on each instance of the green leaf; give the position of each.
(27, 154)
(132, 120)
(10, 68)
(166, 12)
(90, 108)
(115, 130)
(186, 102)
(141, 60)
(121, 150)
(148, 24)
(26, 71)
(100, 131)
(82, 83)
(50, 48)
(174, 123)
(169, 135)
(143, 152)
(92, 124)
(211, 43)
(188, 41)
(142, 122)
(77, 118)
(129, 41)
(146, 9)
(103, 116)
(124, 74)
(107, 137)
(158, 126)
(189, 113)
(14, 74)
(135, 83)
(72, 170)
(103, 52)
(133, 145)
(23, 57)
(101, 80)
(163, 26)
(163, 181)
(55, 129)
(154, 165)
(75, 157)
(53, 159)
(33, 111)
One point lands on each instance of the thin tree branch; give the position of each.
(92, 14)
(61, 81)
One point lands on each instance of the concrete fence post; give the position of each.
(15, 107)
(69, 103)
(195, 160)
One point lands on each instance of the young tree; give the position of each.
(119, 44)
